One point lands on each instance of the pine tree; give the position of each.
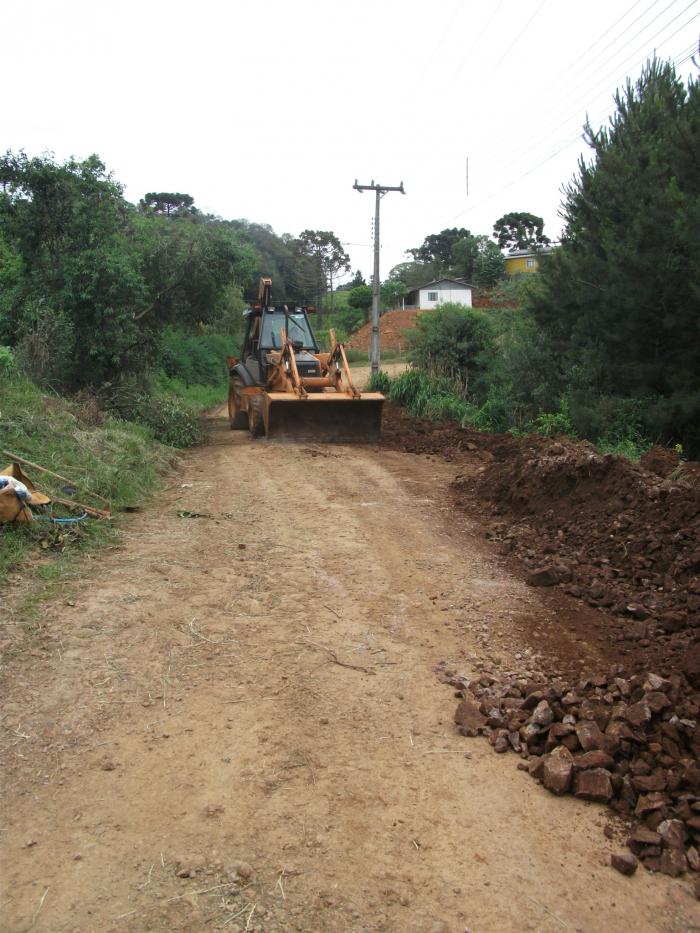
(621, 298)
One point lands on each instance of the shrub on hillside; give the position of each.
(7, 362)
(171, 420)
(453, 341)
(196, 359)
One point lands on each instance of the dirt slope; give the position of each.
(233, 722)
(393, 329)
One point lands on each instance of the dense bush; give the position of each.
(172, 421)
(454, 341)
(7, 362)
(197, 359)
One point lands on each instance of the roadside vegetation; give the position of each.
(604, 343)
(116, 459)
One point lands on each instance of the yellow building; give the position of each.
(523, 261)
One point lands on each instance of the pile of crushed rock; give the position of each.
(632, 743)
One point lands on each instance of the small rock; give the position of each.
(673, 863)
(649, 802)
(654, 682)
(637, 611)
(543, 576)
(557, 769)
(469, 718)
(638, 713)
(642, 837)
(594, 784)
(243, 870)
(645, 783)
(693, 857)
(596, 758)
(624, 862)
(542, 715)
(591, 737)
(673, 834)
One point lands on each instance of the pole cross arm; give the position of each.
(378, 187)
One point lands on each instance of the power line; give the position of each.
(538, 139)
(478, 39)
(610, 29)
(569, 142)
(559, 111)
(426, 65)
(646, 26)
(522, 31)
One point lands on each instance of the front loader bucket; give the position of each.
(324, 416)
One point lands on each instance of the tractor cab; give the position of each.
(267, 329)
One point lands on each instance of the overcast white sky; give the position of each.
(269, 110)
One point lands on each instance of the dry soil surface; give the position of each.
(361, 373)
(232, 721)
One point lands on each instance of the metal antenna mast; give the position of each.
(380, 191)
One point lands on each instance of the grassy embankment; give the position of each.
(118, 453)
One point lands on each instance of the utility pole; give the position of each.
(380, 191)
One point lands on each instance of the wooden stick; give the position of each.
(95, 513)
(35, 466)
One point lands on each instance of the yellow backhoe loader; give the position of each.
(283, 388)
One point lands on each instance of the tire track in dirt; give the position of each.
(232, 722)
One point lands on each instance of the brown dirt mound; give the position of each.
(660, 460)
(392, 331)
(610, 532)
(598, 527)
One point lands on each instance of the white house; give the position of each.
(433, 294)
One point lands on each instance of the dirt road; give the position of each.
(232, 722)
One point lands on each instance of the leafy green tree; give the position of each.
(411, 274)
(391, 293)
(488, 263)
(437, 248)
(619, 302)
(169, 203)
(186, 266)
(357, 279)
(89, 282)
(329, 259)
(79, 272)
(519, 231)
(276, 256)
(360, 297)
(464, 254)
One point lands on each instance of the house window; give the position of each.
(432, 296)
(530, 263)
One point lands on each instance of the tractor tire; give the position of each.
(256, 420)
(237, 419)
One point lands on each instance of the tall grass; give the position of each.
(443, 398)
(116, 459)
